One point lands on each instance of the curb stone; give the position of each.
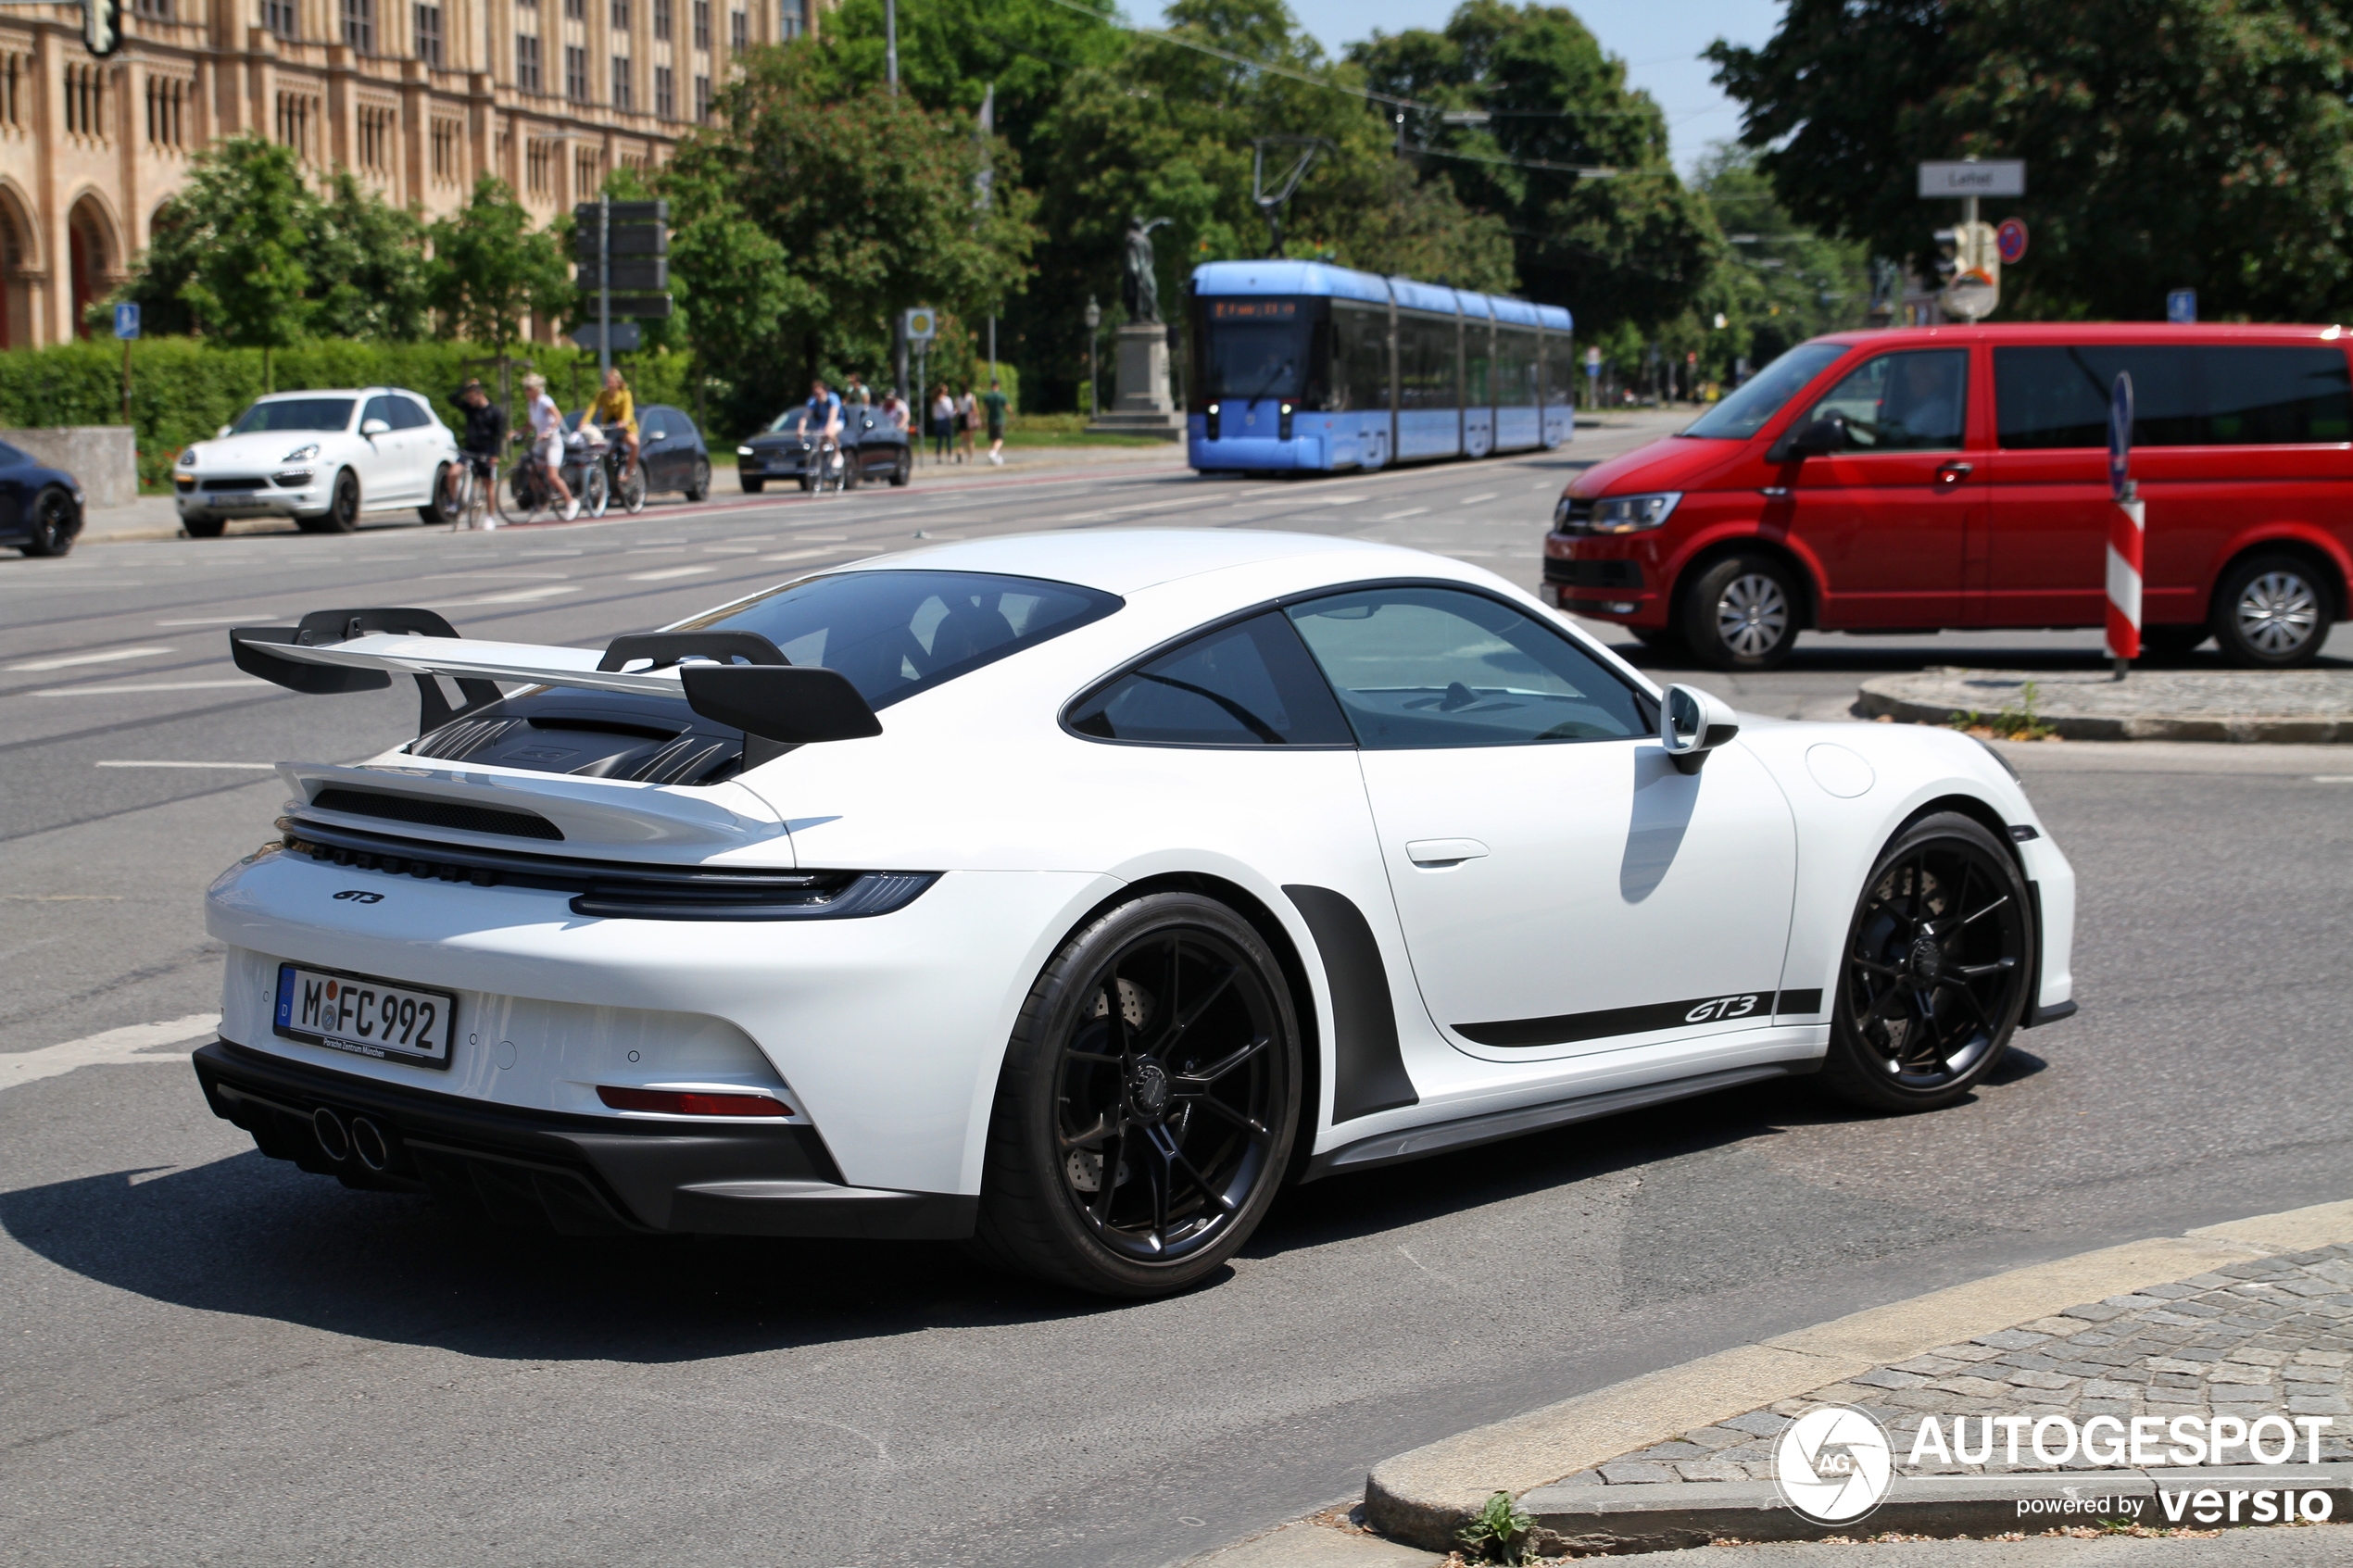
(2292, 707)
(1424, 1497)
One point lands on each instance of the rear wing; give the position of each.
(770, 699)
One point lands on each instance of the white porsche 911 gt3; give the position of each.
(1069, 894)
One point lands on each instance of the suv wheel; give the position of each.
(2272, 612)
(1741, 614)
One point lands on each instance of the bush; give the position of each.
(182, 389)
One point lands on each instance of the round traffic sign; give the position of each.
(2010, 241)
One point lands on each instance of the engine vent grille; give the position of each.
(453, 743)
(434, 813)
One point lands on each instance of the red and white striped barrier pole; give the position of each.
(2127, 528)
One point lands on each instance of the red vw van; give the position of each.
(1923, 477)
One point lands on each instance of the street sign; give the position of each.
(1592, 363)
(1992, 177)
(584, 213)
(2120, 437)
(126, 322)
(2181, 307)
(922, 324)
(624, 337)
(643, 307)
(2010, 241)
(637, 274)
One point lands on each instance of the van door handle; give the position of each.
(1951, 474)
(1439, 853)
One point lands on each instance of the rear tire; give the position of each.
(904, 472)
(1147, 1102)
(1741, 614)
(1932, 980)
(2271, 612)
(700, 489)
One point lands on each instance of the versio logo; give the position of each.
(1832, 1464)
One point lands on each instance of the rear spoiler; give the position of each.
(777, 704)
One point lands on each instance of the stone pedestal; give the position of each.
(1142, 406)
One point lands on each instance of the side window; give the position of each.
(2048, 399)
(2273, 397)
(379, 409)
(1417, 668)
(408, 414)
(1247, 684)
(1902, 402)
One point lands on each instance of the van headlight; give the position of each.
(1633, 514)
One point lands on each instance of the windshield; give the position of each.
(1760, 397)
(788, 422)
(894, 633)
(1257, 348)
(296, 413)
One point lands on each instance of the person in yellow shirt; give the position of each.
(615, 409)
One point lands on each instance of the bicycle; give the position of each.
(528, 497)
(835, 468)
(471, 483)
(628, 488)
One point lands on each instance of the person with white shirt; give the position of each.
(547, 439)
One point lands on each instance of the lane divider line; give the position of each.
(19, 1068)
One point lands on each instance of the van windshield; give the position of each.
(1761, 396)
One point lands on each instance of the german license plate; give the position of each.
(366, 1017)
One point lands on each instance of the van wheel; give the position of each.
(1741, 614)
(2271, 612)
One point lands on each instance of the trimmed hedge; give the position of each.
(182, 390)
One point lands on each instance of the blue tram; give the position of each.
(1302, 365)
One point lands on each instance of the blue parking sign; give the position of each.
(126, 320)
(2181, 306)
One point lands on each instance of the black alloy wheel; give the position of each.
(2271, 612)
(1148, 1103)
(50, 531)
(436, 511)
(1741, 614)
(342, 507)
(1933, 978)
(902, 470)
(700, 488)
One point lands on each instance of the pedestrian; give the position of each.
(943, 415)
(992, 402)
(895, 411)
(483, 443)
(547, 439)
(967, 420)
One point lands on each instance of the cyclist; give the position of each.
(823, 420)
(481, 447)
(615, 409)
(547, 440)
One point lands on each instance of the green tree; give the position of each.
(244, 280)
(2170, 143)
(367, 257)
(733, 293)
(491, 269)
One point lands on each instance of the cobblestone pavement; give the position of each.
(2272, 1336)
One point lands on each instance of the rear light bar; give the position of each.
(689, 1102)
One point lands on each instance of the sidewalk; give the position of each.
(2294, 707)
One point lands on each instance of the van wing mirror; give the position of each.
(1817, 438)
(1692, 723)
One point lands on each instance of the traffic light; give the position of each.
(102, 26)
(635, 240)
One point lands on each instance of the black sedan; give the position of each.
(40, 506)
(876, 446)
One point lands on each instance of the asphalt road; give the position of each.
(206, 1356)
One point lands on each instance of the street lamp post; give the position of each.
(1094, 392)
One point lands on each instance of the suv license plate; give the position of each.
(366, 1017)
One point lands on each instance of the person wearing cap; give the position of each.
(483, 444)
(547, 439)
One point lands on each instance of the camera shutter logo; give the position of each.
(1832, 1464)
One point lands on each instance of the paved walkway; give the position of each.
(2272, 1337)
(2305, 707)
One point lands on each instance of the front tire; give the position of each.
(1146, 1105)
(751, 486)
(343, 509)
(700, 489)
(1932, 980)
(1741, 614)
(2271, 612)
(51, 530)
(437, 512)
(205, 527)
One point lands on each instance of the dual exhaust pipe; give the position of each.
(357, 1138)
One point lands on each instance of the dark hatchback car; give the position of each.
(670, 448)
(877, 448)
(40, 506)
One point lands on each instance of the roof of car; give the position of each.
(2090, 331)
(1126, 561)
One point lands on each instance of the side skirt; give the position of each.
(1414, 1143)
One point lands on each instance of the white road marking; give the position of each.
(263, 766)
(730, 549)
(511, 596)
(249, 618)
(805, 554)
(18, 1067)
(2333, 778)
(668, 572)
(149, 687)
(1409, 511)
(485, 576)
(1474, 500)
(823, 538)
(110, 656)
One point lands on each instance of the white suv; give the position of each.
(320, 457)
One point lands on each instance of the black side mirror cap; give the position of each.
(1818, 439)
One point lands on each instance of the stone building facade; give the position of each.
(416, 97)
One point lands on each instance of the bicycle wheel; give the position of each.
(473, 500)
(631, 491)
(524, 496)
(596, 492)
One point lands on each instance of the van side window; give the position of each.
(2203, 394)
(1902, 402)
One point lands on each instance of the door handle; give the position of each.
(1951, 474)
(1436, 854)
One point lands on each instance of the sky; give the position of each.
(1659, 40)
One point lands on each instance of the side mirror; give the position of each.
(373, 428)
(1691, 724)
(1818, 438)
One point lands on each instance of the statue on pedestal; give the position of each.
(1141, 285)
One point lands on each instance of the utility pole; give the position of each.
(604, 286)
(890, 44)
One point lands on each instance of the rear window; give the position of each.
(894, 633)
(2188, 395)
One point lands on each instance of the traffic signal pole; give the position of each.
(604, 287)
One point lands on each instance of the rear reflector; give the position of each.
(674, 1102)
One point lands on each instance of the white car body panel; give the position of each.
(890, 1031)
